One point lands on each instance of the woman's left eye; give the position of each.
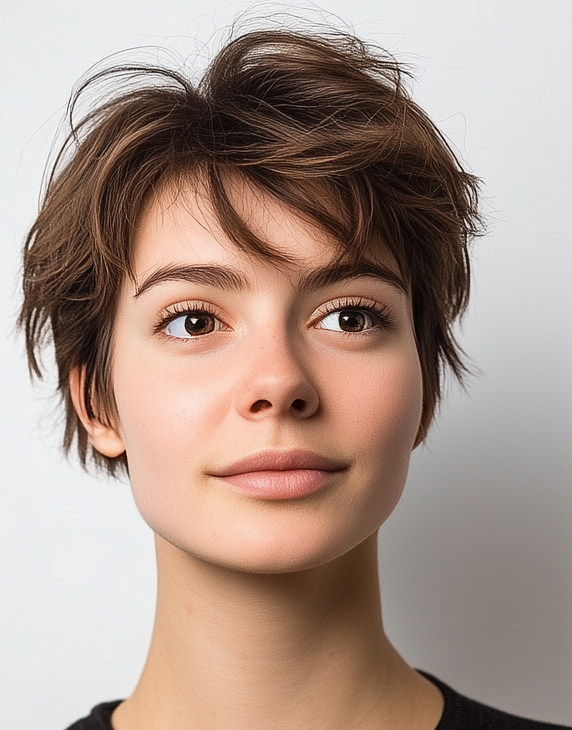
(192, 324)
(349, 320)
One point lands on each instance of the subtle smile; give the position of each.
(276, 475)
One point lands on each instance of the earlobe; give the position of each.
(105, 439)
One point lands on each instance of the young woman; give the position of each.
(250, 285)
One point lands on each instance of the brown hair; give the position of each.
(291, 113)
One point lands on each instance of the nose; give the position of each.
(276, 383)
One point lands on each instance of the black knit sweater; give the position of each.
(459, 713)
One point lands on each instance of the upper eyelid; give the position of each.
(179, 309)
(349, 302)
(184, 307)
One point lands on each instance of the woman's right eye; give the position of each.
(192, 324)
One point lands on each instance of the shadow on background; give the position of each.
(476, 562)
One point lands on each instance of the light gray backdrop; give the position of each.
(476, 561)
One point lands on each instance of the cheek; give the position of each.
(169, 420)
(167, 415)
(382, 402)
(378, 413)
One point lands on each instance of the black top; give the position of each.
(459, 713)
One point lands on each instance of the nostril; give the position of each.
(298, 404)
(260, 405)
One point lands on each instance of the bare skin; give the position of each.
(301, 650)
(268, 611)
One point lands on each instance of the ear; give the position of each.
(105, 439)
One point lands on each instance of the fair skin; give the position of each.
(268, 611)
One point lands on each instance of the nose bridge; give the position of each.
(275, 380)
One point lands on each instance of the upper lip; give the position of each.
(280, 461)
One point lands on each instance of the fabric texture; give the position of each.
(459, 713)
(100, 718)
(462, 713)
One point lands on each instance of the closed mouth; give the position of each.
(273, 461)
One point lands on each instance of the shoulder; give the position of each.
(462, 713)
(98, 719)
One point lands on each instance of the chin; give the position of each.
(274, 545)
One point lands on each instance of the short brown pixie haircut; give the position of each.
(321, 122)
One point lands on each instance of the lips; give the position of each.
(280, 461)
(281, 474)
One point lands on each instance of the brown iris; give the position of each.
(199, 323)
(352, 321)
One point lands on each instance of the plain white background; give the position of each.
(476, 561)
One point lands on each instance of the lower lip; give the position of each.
(291, 484)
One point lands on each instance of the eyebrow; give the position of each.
(221, 277)
(338, 272)
(228, 279)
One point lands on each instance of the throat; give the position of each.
(234, 650)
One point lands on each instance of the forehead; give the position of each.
(183, 223)
(179, 225)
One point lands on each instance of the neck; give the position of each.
(303, 649)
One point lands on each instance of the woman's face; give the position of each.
(268, 412)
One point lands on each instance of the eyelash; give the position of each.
(380, 314)
(171, 313)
